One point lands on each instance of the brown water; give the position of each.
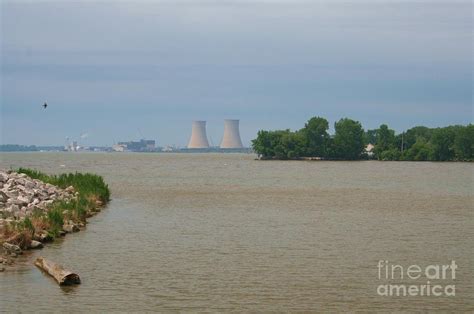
(224, 232)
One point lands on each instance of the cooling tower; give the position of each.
(231, 137)
(198, 135)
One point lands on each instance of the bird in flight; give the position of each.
(45, 105)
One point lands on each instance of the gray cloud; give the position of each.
(273, 64)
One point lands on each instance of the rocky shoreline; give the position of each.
(27, 207)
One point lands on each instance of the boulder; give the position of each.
(13, 208)
(20, 181)
(30, 185)
(12, 193)
(3, 196)
(36, 244)
(23, 200)
(3, 177)
(70, 228)
(12, 248)
(20, 188)
(43, 237)
(47, 203)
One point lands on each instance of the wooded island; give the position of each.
(351, 142)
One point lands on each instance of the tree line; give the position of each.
(351, 142)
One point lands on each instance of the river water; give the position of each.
(224, 232)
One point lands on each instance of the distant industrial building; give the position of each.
(198, 135)
(140, 146)
(119, 148)
(231, 138)
(72, 146)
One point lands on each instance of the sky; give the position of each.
(124, 70)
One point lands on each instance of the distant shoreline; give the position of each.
(329, 159)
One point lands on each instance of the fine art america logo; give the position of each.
(397, 280)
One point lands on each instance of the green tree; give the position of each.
(412, 135)
(442, 141)
(294, 145)
(420, 151)
(348, 142)
(371, 136)
(315, 133)
(280, 144)
(262, 145)
(385, 140)
(390, 154)
(464, 143)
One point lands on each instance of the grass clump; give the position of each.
(20, 233)
(87, 184)
(55, 218)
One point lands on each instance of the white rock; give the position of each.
(3, 177)
(70, 189)
(30, 185)
(12, 248)
(69, 228)
(48, 202)
(24, 199)
(13, 208)
(36, 244)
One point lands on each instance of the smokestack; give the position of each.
(198, 135)
(231, 137)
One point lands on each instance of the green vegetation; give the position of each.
(87, 184)
(313, 141)
(56, 218)
(92, 192)
(348, 142)
(452, 143)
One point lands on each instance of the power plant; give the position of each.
(230, 140)
(231, 137)
(198, 135)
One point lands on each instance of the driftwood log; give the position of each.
(61, 275)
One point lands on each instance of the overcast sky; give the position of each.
(130, 69)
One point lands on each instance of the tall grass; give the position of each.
(87, 184)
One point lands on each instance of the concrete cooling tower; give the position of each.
(198, 135)
(231, 137)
